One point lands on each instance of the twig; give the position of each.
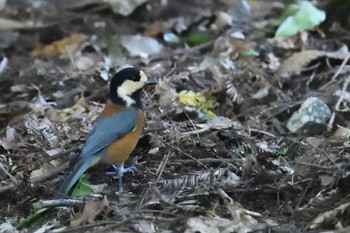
(184, 153)
(313, 165)
(196, 132)
(5, 188)
(343, 93)
(195, 128)
(58, 203)
(337, 105)
(13, 179)
(58, 155)
(303, 194)
(326, 155)
(171, 71)
(54, 172)
(162, 165)
(181, 51)
(346, 59)
(71, 58)
(85, 228)
(206, 160)
(262, 132)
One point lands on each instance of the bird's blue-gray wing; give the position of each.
(106, 131)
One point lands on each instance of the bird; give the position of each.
(116, 130)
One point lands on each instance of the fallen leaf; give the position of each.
(342, 132)
(11, 24)
(331, 217)
(192, 98)
(141, 46)
(3, 64)
(44, 169)
(222, 20)
(153, 151)
(92, 210)
(69, 44)
(124, 7)
(300, 17)
(263, 92)
(167, 94)
(220, 123)
(297, 61)
(214, 225)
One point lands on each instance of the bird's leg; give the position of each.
(119, 171)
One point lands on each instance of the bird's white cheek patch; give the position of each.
(143, 77)
(127, 89)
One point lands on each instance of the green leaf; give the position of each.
(252, 53)
(38, 217)
(291, 10)
(283, 151)
(197, 39)
(83, 187)
(306, 17)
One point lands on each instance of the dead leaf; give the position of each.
(330, 218)
(142, 46)
(263, 92)
(92, 210)
(124, 7)
(44, 169)
(68, 44)
(3, 64)
(11, 24)
(220, 123)
(7, 227)
(298, 61)
(326, 179)
(84, 63)
(167, 94)
(222, 20)
(214, 225)
(342, 132)
(144, 226)
(153, 151)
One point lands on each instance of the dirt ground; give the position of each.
(215, 155)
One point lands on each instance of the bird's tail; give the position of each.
(80, 167)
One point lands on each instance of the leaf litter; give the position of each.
(215, 154)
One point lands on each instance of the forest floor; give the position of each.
(215, 155)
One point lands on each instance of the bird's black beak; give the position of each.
(150, 82)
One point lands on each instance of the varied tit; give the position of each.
(116, 131)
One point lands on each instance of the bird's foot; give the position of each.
(119, 171)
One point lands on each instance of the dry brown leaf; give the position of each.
(68, 44)
(298, 61)
(167, 94)
(214, 225)
(342, 132)
(330, 218)
(92, 210)
(144, 226)
(154, 30)
(11, 24)
(44, 169)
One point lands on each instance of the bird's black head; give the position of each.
(126, 86)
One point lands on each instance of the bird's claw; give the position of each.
(119, 170)
(131, 169)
